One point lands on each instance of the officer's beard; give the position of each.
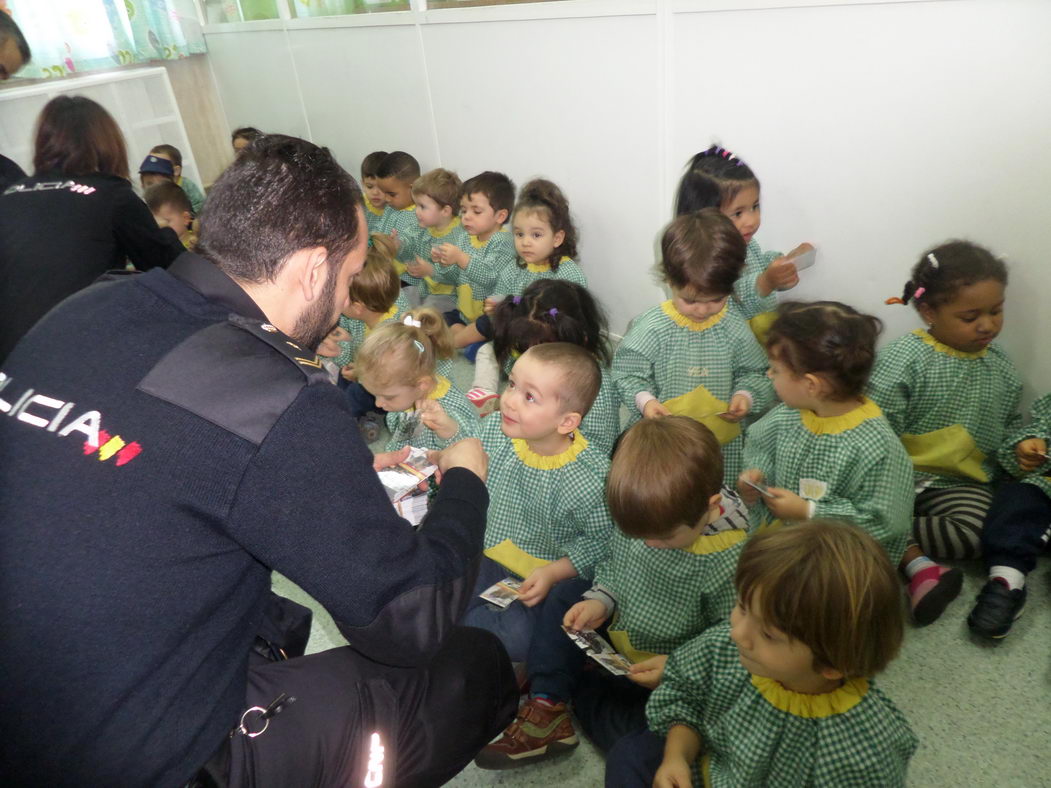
(318, 319)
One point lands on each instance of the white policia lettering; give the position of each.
(49, 186)
(374, 777)
(87, 423)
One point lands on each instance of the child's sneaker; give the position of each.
(996, 609)
(542, 730)
(485, 400)
(369, 426)
(931, 590)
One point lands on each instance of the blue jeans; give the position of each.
(361, 402)
(513, 624)
(608, 707)
(634, 761)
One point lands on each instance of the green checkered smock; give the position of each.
(544, 508)
(951, 409)
(514, 279)
(755, 732)
(403, 424)
(851, 467)
(375, 216)
(477, 281)
(359, 331)
(756, 262)
(694, 369)
(650, 585)
(1039, 427)
(427, 240)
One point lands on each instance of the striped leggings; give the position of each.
(947, 523)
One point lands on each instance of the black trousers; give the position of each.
(1016, 528)
(357, 722)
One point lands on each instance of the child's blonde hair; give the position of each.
(442, 186)
(664, 473)
(405, 351)
(376, 286)
(829, 585)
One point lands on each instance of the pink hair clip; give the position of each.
(919, 292)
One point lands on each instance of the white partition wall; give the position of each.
(877, 128)
(140, 100)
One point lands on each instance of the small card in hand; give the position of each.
(405, 477)
(599, 649)
(503, 593)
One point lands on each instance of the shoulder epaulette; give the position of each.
(240, 375)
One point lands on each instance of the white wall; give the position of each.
(877, 129)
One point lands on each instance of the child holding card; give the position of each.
(667, 578)
(548, 519)
(398, 366)
(952, 395)
(694, 355)
(781, 695)
(827, 451)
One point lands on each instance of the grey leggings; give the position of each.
(947, 523)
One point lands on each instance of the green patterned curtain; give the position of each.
(72, 36)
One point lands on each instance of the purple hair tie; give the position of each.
(553, 312)
(516, 300)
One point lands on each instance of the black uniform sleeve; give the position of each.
(311, 507)
(138, 236)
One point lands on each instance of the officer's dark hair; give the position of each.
(281, 195)
(9, 29)
(76, 136)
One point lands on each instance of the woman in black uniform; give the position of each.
(75, 218)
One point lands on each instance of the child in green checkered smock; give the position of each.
(437, 197)
(694, 355)
(548, 519)
(952, 395)
(716, 178)
(664, 494)
(395, 174)
(782, 695)
(398, 365)
(553, 310)
(486, 202)
(827, 451)
(476, 280)
(371, 193)
(374, 297)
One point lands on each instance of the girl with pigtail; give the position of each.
(546, 243)
(399, 365)
(952, 395)
(716, 178)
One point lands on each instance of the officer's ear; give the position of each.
(307, 271)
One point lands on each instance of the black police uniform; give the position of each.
(59, 234)
(162, 449)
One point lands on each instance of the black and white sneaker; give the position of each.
(996, 609)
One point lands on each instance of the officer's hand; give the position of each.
(388, 459)
(467, 453)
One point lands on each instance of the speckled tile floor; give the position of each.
(982, 711)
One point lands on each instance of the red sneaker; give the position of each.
(541, 731)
